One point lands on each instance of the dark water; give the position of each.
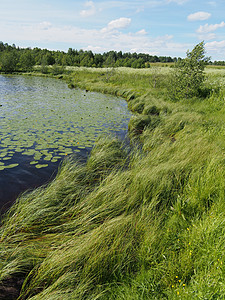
(41, 122)
(15, 181)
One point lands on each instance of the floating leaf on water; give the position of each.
(69, 151)
(45, 152)
(61, 148)
(54, 160)
(2, 168)
(57, 157)
(37, 157)
(48, 157)
(11, 147)
(18, 148)
(48, 123)
(11, 166)
(39, 147)
(29, 152)
(34, 162)
(39, 166)
(6, 158)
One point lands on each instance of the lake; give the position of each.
(42, 121)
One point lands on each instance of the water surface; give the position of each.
(42, 121)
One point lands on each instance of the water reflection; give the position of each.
(41, 121)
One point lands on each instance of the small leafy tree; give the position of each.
(8, 61)
(27, 61)
(188, 77)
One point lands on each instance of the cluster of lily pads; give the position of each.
(44, 120)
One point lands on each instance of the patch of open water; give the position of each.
(41, 122)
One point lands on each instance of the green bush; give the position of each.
(188, 76)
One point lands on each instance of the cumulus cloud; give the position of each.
(209, 28)
(91, 10)
(117, 24)
(199, 16)
(95, 40)
(216, 48)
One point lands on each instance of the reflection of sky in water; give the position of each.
(45, 111)
(42, 120)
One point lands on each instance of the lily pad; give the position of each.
(47, 118)
(39, 166)
(49, 157)
(54, 160)
(11, 166)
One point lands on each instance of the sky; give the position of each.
(156, 27)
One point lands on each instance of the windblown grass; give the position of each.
(146, 223)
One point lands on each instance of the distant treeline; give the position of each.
(219, 63)
(13, 59)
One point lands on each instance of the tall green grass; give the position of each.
(139, 223)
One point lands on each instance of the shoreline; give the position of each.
(148, 222)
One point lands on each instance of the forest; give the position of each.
(15, 59)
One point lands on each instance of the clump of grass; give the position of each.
(151, 110)
(137, 107)
(138, 124)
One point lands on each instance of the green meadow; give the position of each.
(144, 221)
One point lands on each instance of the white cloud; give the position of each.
(180, 2)
(117, 24)
(44, 25)
(95, 40)
(162, 45)
(199, 16)
(209, 28)
(207, 36)
(90, 11)
(141, 32)
(216, 48)
(95, 49)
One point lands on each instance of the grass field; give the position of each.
(138, 222)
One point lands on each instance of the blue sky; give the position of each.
(157, 27)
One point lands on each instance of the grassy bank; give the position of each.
(140, 224)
